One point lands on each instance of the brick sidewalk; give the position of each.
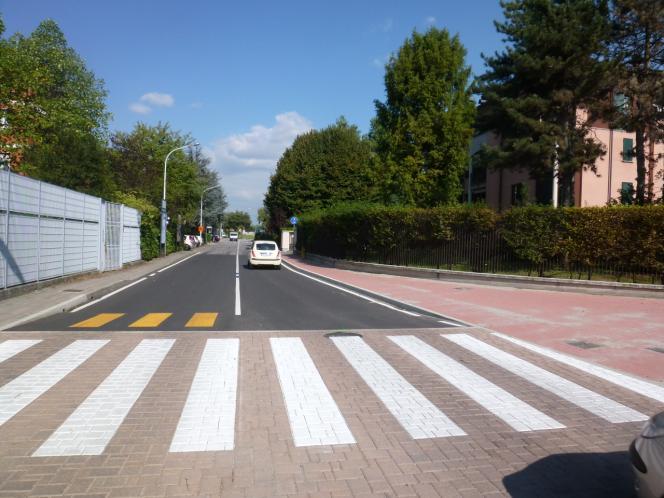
(624, 328)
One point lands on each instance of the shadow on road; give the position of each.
(587, 475)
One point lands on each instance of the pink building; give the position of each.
(616, 174)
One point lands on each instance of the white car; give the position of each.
(647, 456)
(264, 253)
(232, 236)
(190, 241)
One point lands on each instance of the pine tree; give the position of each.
(540, 95)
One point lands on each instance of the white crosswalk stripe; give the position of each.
(13, 347)
(26, 388)
(585, 398)
(514, 412)
(89, 429)
(208, 419)
(642, 387)
(416, 414)
(313, 414)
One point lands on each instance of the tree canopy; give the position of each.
(236, 220)
(320, 168)
(422, 131)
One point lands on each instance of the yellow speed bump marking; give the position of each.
(150, 320)
(202, 320)
(98, 320)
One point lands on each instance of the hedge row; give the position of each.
(618, 239)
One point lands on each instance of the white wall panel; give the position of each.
(74, 205)
(90, 246)
(73, 247)
(3, 248)
(52, 201)
(92, 208)
(24, 195)
(51, 238)
(23, 247)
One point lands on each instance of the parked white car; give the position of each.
(190, 241)
(647, 456)
(264, 253)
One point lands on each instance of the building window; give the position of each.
(627, 193)
(628, 150)
(519, 194)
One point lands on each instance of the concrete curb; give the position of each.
(589, 286)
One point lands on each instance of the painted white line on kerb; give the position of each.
(117, 291)
(26, 388)
(15, 346)
(519, 415)
(207, 422)
(416, 414)
(177, 263)
(93, 424)
(238, 306)
(641, 387)
(153, 274)
(353, 293)
(313, 414)
(591, 401)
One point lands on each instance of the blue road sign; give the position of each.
(293, 220)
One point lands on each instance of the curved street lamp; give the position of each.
(162, 239)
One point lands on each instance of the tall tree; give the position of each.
(422, 131)
(236, 220)
(541, 93)
(320, 168)
(637, 45)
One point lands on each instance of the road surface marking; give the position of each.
(202, 320)
(98, 320)
(150, 320)
(93, 424)
(351, 292)
(95, 301)
(519, 415)
(153, 274)
(13, 347)
(177, 263)
(450, 323)
(642, 387)
(313, 414)
(238, 306)
(585, 398)
(26, 388)
(207, 422)
(416, 414)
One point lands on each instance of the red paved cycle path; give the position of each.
(624, 327)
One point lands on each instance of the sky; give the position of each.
(246, 77)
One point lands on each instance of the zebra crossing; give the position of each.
(208, 418)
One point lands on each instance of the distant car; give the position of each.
(647, 456)
(233, 236)
(190, 241)
(264, 253)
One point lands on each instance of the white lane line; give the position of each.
(153, 274)
(108, 295)
(13, 347)
(207, 422)
(642, 387)
(585, 398)
(353, 293)
(93, 424)
(416, 414)
(238, 306)
(450, 323)
(177, 262)
(23, 390)
(519, 415)
(313, 414)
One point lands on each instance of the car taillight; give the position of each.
(253, 253)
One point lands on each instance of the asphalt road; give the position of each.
(249, 300)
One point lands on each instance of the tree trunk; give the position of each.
(640, 166)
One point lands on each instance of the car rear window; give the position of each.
(266, 247)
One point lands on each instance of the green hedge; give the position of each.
(621, 240)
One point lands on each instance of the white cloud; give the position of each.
(158, 99)
(139, 108)
(246, 160)
(430, 21)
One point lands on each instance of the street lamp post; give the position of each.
(202, 194)
(162, 239)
